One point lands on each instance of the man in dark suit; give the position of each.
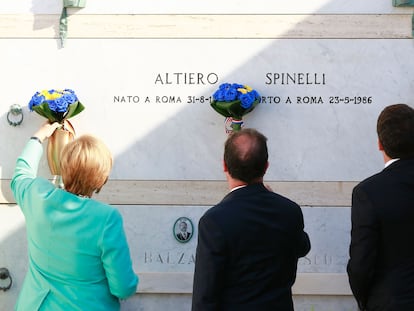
(249, 243)
(381, 265)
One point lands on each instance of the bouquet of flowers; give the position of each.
(57, 106)
(233, 101)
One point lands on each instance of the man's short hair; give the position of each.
(246, 155)
(395, 129)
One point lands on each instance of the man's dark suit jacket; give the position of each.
(381, 265)
(247, 252)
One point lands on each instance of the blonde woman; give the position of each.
(79, 258)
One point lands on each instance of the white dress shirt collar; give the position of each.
(238, 187)
(388, 163)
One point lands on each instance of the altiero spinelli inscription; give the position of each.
(298, 78)
(186, 78)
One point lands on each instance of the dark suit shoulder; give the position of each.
(369, 180)
(399, 171)
(249, 198)
(284, 199)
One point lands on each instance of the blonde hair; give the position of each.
(85, 165)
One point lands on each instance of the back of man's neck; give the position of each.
(236, 183)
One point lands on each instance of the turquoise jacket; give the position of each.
(78, 253)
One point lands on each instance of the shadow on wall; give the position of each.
(13, 252)
(40, 7)
(52, 21)
(13, 242)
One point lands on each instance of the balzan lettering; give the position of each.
(186, 78)
(299, 78)
(179, 258)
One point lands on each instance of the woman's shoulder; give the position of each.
(103, 209)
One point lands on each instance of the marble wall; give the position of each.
(323, 77)
(320, 100)
(200, 6)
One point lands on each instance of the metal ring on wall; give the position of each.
(15, 115)
(4, 275)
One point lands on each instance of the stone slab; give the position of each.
(149, 100)
(200, 6)
(158, 302)
(150, 231)
(209, 26)
(161, 260)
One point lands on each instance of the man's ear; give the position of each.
(225, 169)
(380, 147)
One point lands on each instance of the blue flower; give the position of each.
(60, 105)
(246, 100)
(37, 99)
